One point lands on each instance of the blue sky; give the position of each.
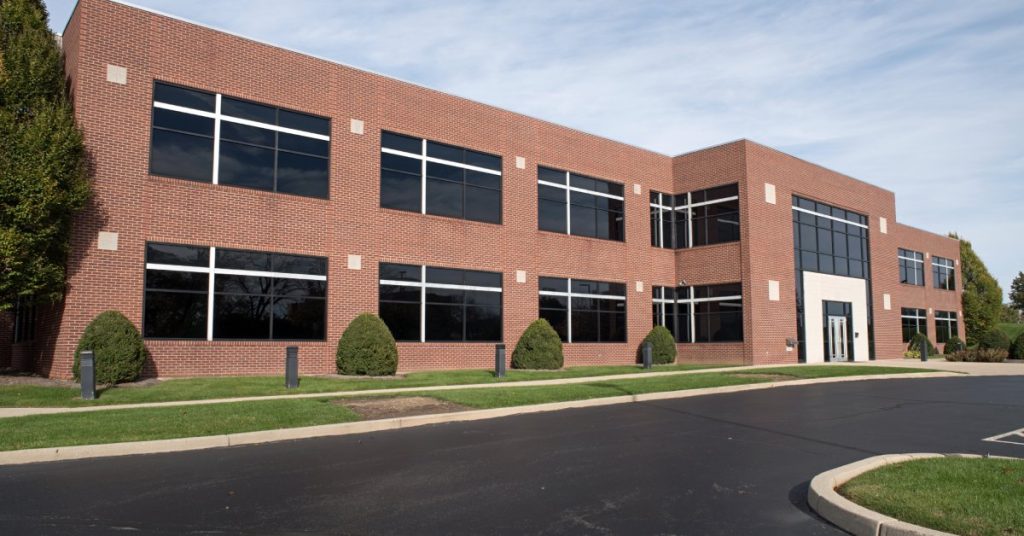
(925, 98)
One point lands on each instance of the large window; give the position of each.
(24, 320)
(700, 218)
(584, 311)
(214, 138)
(579, 205)
(945, 326)
(423, 176)
(829, 240)
(914, 321)
(214, 293)
(943, 273)
(708, 313)
(423, 303)
(911, 267)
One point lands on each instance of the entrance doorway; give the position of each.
(838, 327)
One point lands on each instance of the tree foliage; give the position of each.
(1017, 292)
(982, 296)
(42, 159)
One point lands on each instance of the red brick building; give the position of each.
(248, 198)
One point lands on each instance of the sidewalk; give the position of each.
(978, 369)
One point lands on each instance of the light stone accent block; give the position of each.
(639, 286)
(636, 189)
(355, 262)
(773, 290)
(107, 241)
(769, 193)
(520, 276)
(883, 225)
(357, 126)
(520, 162)
(886, 302)
(117, 74)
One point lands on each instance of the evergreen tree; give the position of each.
(1017, 292)
(982, 296)
(42, 160)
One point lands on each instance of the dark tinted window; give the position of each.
(828, 246)
(248, 110)
(589, 214)
(179, 96)
(182, 156)
(180, 255)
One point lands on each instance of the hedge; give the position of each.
(953, 345)
(915, 344)
(367, 348)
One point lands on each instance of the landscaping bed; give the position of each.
(968, 496)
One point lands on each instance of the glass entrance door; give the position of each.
(837, 342)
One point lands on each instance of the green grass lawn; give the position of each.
(237, 386)
(968, 496)
(520, 396)
(1012, 330)
(119, 425)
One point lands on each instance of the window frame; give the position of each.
(422, 284)
(425, 159)
(212, 271)
(568, 187)
(908, 261)
(947, 324)
(920, 318)
(568, 294)
(691, 302)
(218, 117)
(943, 273)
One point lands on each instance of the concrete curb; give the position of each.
(53, 454)
(854, 518)
(24, 412)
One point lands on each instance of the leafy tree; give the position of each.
(1017, 292)
(1009, 315)
(42, 159)
(982, 296)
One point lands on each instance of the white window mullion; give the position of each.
(568, 318)
(209, 294)
(423, 298)
(689, 222)
(216, 141)
(568, 214)
(423, 184)
(693, 319)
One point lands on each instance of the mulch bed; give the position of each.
(403, 406)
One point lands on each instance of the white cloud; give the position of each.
(923, 98)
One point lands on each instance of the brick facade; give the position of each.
(142, 208)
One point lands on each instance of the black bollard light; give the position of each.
(924, 348)
(87, 374)
(291, 367)
(499, 360)
(648, 353)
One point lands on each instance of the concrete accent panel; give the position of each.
(357, 126)
(107, 241)
(773, 290)
(117, 74)
(520, 276)
(520, 162)
(639, 286)
(637, 189)
(883, 225)
(820, 287)
(355, 262)
(887, 302)
(769, 193)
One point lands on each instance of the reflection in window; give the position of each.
(584, 311)
(579, 205)
(946, 326)
(708, 313)
(943, 273)
(700, 218)
(911, 267)
(914, 321)
(829, 240)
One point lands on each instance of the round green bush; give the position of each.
(1017, 348)
(995, 339)
(117, 348)
(367, 348)
(915, 344)
(538, 348)
(953, 345)
(663, 346)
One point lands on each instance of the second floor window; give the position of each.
(911, 267)
(943, 273)
(208, 137)
(700, 218)
(579, 205)
(423, 176)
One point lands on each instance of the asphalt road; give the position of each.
(723, 464)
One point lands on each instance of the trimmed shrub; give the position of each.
(1017, 348)
(994, 338)
(538, 348)
(953, 345)
(912, 354)
(117, 348)
(979, 355)
(915, 344)
(367, 348)
(663, 346)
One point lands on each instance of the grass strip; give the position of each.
(143, 424)
(23, 396)
(975, 496)
(521, 396)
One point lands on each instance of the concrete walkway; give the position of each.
(979, 369)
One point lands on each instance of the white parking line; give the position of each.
(1015, 437)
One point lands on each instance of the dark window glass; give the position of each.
(296, 264)
(400, 272)
(446, 152)
(179, 255)
(483, 323)
(304, 122)
(914, 321)
(400, 190)
(483, 205)
(403, 319)
(911, 267)
(243, 260)
(180, 96)
(828, 246)
(175, 315)
(247, 134)
(554, 284)
(559, 320)
(401, 163)
(182, 156)
(943, 273)
(945, 326)
(303, 144)
(589, 215)
(399, 142)
(551, 215)
(299, 318)
(487, 161)
(241, 316)
(302, 175)
(551, 175)
(193, 124)
(246, 165)
(172, 280)
(482, 180)
(444, 198)
(248, 110)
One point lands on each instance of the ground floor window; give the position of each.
(425, 303)
(198, 292)
(24, 320)
(945, 326)
(708, 313)
(584, 311)
(914, 321)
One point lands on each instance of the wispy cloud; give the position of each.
(923, 98)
